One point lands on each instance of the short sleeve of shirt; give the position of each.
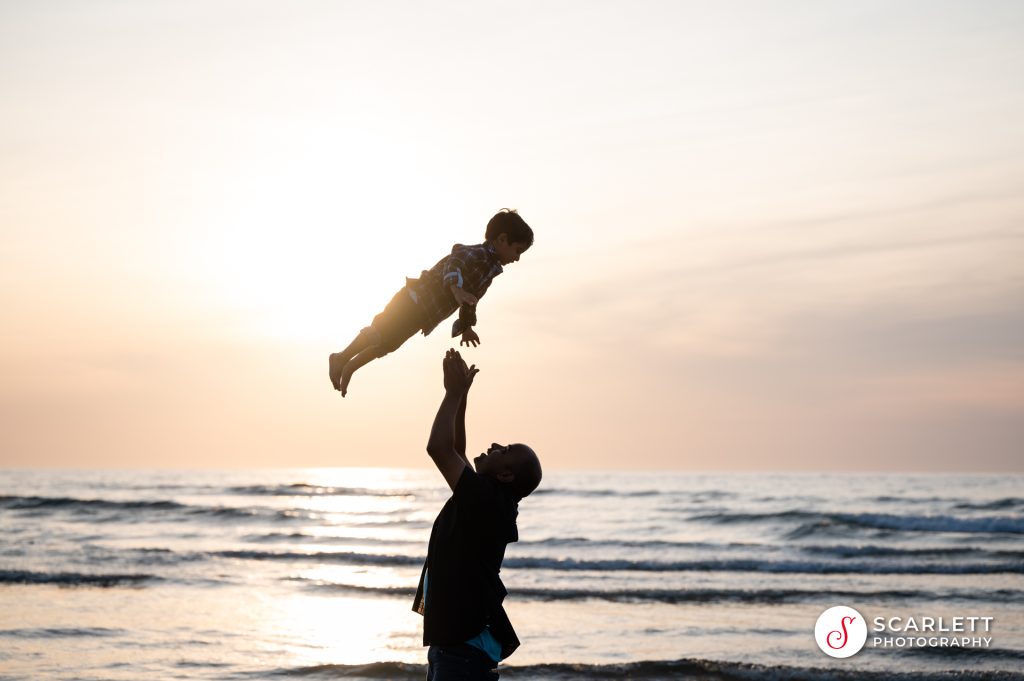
(454, 270)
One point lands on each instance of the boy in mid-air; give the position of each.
(456, 282)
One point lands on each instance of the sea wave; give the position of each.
(677, 596)
(965, 654)
(306, 490)
(622, 565)
(344, 557)
(74, 578)
(564, 491)
(22, 503)
(585, 542)
(133, 511)
(992, 524)
(875, 560)
(120, 507)
(890, 499)
(63, 632)
(304, 538)
(756, 565)
(706, 670)
(975, 553)
(885, 521)
(997, 505)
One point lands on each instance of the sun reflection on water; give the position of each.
(337, 630)
(326, 625)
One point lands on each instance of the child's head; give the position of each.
(509, 234)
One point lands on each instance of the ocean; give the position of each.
(311, 573)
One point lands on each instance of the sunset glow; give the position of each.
(786, 232)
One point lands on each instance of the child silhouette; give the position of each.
(457, 281)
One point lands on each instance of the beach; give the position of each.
(310, 573)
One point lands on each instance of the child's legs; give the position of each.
(366, 356)
(386, 345)
(367, 338)
(399, 321)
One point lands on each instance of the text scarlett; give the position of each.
(932, 624)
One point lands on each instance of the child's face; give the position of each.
(508, 252)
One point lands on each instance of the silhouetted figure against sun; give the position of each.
(456, 282)
(460, 592)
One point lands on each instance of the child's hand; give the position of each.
(463, 297)
(469, 337)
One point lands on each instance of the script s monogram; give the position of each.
(845, 641)
(842, 636)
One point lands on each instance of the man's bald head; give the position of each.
(515, 465)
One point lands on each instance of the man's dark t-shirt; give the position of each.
(467, 545)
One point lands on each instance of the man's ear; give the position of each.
(503, 238)
(505, 476)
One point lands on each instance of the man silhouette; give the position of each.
(460, 592)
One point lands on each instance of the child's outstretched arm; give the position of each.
(467, 316)
(463, 297)
(468, 273)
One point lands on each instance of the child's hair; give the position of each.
(508, 221)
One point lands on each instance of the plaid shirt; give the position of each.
(471, 268)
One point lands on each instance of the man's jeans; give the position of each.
(459, 663)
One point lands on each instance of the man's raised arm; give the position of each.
(460, 428)
(447, 443)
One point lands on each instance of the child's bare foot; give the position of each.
(346, 376)
(335, 364)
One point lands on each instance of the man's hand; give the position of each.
(463, 297)
(447, 443)
(469, 337)
(457, 376)
(470, 370)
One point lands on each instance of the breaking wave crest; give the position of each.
(74, 578)
(883, 521)
(675, 596)
(647, 670)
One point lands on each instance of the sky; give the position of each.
(779, 236)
